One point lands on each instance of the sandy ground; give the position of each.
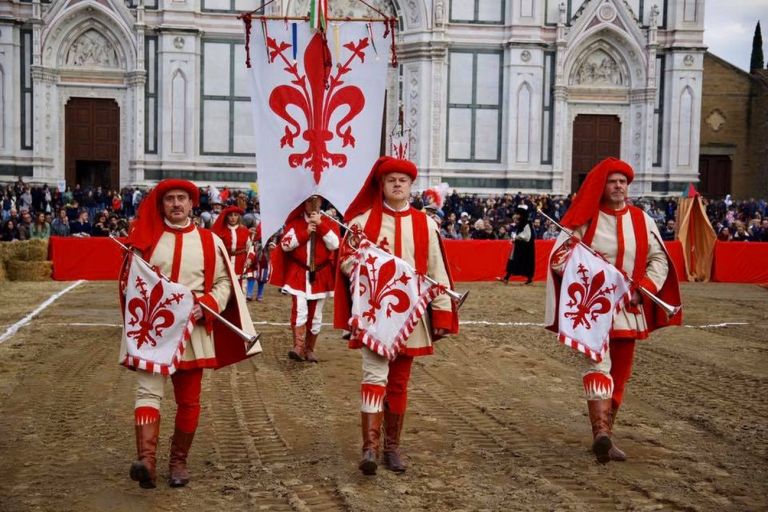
(496, 418)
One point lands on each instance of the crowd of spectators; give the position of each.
(41, 211)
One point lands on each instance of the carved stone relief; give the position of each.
(715, 120)
(92, 50)
(599, 69)
(346, 8)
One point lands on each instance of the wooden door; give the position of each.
(595, 137)
(92, 142)
(714, 175)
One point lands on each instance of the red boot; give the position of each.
(177, 466)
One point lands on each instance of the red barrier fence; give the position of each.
(471, 260)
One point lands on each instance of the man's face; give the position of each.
(26, 217)
(233, 219)
(615, 188)
(62, 214)
(397, 187)
(176, 206)
(765, 223)
(537, 223)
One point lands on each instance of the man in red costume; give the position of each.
(235, 235)
(164, 235)
(383, 213)
(628, 238)
(309, 245)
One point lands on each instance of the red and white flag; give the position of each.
(388, 299)
(157, 320)
(591, 290)
(317, 104)
(400, 146)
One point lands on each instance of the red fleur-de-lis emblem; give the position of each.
(150, 314)
(383, 287)
(318, 94)
(589, 298)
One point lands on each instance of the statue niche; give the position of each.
(92, 50)
(599, 69)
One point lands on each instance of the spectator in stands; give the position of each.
(60, 225)
(668, 233)
(117, 227)
(40, 229)
(9, 233)
(101, 227)
(551, 233)
(9, 203)
(448, 231)
(724, 235)
(25, 225)
(761, 234)
(741, 234)
(537, 229)
(81, 227)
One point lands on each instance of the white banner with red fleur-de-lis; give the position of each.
(317, 103)
(591, 290)
(157, 320)
(388, 299)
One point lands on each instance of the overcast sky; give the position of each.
(729, 26)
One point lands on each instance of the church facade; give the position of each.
(496, 95)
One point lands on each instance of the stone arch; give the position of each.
(523, 124)
(68, 27)
(617, 44)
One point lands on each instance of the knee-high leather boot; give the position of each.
(600, 417)
(615, 453)
(311, 342)
(144, 469)
(177, 465)
(298, 352)
(393, 426)
(371, 430)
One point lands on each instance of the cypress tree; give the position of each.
(756, 62)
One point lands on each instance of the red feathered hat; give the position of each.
(586, 203)
(370, 194)
(221, 221)
(147, 227)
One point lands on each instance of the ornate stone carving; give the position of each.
(688, 60)
(715, 120)
(653, 19)
(606, 12)
(599, 69)
(346, 8)
(178, 42)
(92, 50)
(439, 13)
(525, 56)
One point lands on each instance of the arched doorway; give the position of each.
(92, 142)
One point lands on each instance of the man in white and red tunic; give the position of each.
(235, 235)
(629, 239)
(308, 258)
(383, 213)
(164, 235)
